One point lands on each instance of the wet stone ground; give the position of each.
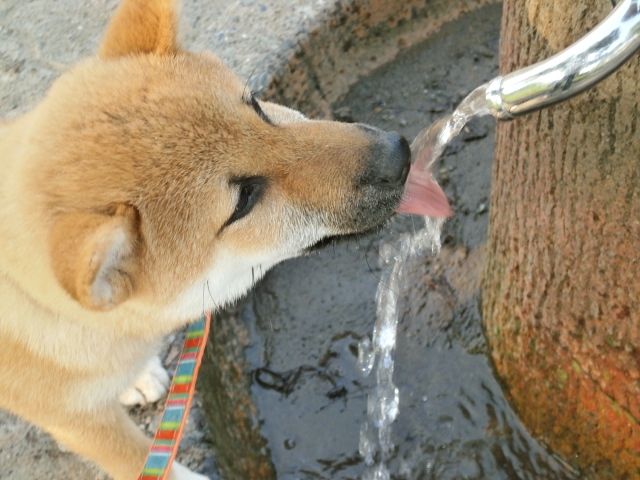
(307, 316)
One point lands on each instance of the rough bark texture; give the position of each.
(562, 285)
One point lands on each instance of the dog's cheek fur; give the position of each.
(94, 256)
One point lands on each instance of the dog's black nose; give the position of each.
(391, 159)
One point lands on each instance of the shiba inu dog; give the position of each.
(147, 176)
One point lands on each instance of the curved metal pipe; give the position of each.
(571, 71)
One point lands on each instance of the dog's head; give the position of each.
(160, 176)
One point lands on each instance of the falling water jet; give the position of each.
(383, 402)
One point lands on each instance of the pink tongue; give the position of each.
(423, 196)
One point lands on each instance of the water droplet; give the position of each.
(367, 446)
(366, 357)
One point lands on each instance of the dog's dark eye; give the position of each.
(250, 191)
(256, 107)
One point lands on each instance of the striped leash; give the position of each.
(167, 438)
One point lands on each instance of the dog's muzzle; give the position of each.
(389, 159)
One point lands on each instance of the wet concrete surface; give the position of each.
(308, 314)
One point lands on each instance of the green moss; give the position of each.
(562, 378)
(576, 367)
(619, 410)
(615, 406)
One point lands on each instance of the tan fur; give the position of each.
(115, 199)
(92, 250)
(141, 26)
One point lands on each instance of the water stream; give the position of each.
(383, 401)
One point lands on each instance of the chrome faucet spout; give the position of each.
(578, 67)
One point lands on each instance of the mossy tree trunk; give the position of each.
(561, 292)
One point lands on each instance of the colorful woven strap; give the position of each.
(165, 443)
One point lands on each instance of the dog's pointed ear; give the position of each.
(142, 26)
(95, 256)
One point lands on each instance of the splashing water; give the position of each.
(383, 402)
